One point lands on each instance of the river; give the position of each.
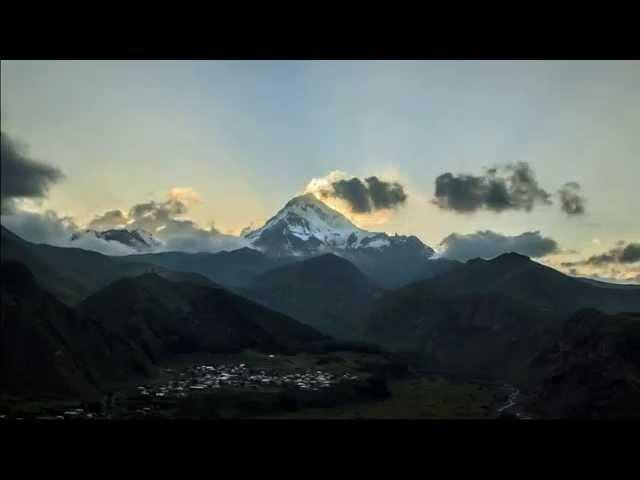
(512, 406)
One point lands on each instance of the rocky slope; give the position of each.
(594, 369)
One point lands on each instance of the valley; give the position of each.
(210, 386)
(291, 238)
(311, 332)
(301, 386)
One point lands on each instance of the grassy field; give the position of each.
(426, 397)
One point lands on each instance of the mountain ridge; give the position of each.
(487, 313)
(327, 292)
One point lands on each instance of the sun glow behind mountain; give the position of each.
(321, 185)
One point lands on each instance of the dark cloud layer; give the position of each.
(630, 253)
(621, 254)
(22, 177)
(369, 195)
(355, 192)
(511, 187)
(571, 202)
(489, 244)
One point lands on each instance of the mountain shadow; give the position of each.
(488, 317)
(46, 348)
(166, 318)
(593, 371)
(326, 292)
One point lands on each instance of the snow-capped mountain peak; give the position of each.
(306, 225)
(307, 219)
(138, 240)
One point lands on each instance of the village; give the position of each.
(143, 400)
(207, 377)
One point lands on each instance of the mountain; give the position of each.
(488, 335)
(399, 266)
(594, 369)
(46, 348)
(165, 318)
(599, 283)
(327, 292)
(125, 330)
(487, 317)
(138, 240)
(305, 226)
(14, 248)
(72, 274)
(236, 268)
(521, 278)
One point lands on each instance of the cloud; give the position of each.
(108, 220)
(361, 196)
(163, 220)
(21, 176)
(385, 195)
(622, 253)
(153, 215)
(185, 235)
(50, 228)
(45, 227)
(630, 253)
(618, 264)
(489, 244)
(511, 187)
(571, 202)
(186, 195)
(612, 275)
(353, 191)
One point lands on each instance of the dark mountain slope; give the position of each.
(598, 283)
(489, 317)
(326, 292)
(185, 277)
(46, 348)
(397, 268)
(236, 268)
(14, 248)
(481, 334)
(164, 318)
(521, 278)
(72, 274)
(594, 370)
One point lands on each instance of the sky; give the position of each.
(246, 136)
